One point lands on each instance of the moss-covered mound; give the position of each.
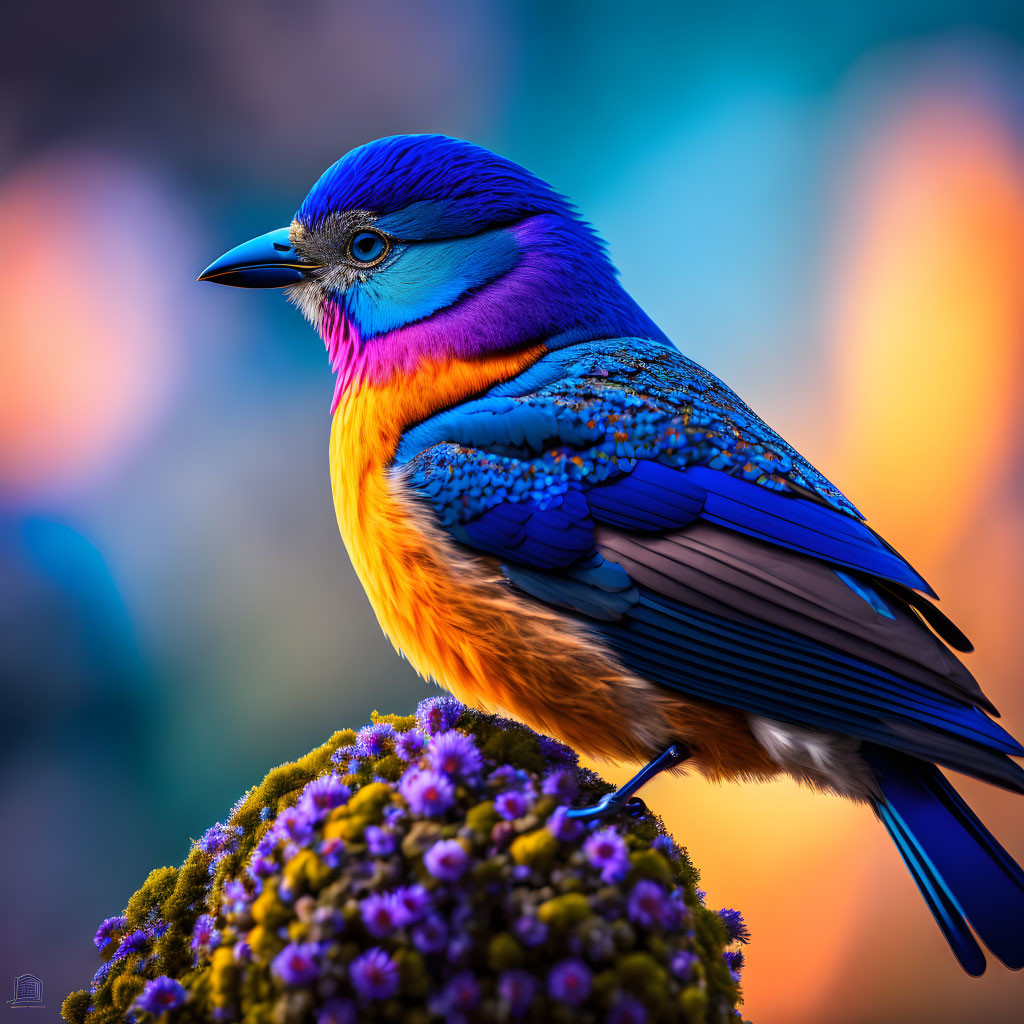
(421, 869)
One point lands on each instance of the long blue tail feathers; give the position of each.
(962, 871)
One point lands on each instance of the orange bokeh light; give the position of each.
(88, 352)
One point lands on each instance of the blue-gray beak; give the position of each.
(268, 261)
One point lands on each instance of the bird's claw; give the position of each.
(608, 806)
(622, 800)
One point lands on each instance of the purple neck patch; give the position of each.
(560, 289)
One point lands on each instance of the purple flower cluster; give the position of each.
(606, 851)
(160, 995)
(297, 963)
(427, 792)
(438, 714)
(734, 925)
(455, 754)
(108, 929)
(446, 860)
(373, 740)
(414, 874)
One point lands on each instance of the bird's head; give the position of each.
(422, 247)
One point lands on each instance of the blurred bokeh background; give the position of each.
(823, 203)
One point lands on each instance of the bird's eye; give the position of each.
(368, 247)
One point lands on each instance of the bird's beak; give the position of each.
(268, 261)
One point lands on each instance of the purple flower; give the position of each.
(322, 795)
(735, 960)
(446, 859)
(436, 714)
(455, 754)
(374, 975)
(505, 777)
(462, 993)
(261, 866)
(409, 745)
(530, 930)
(161, 994)
(380, 842)
(394, 813)
(133, 942)
(564, 828)
(101, 975)
(627, 1010)
(569, 981)
(734, 925)
(606, 851)
(242, 951)
(296, 963)
(371, 740)
(648, 904)
(235, 891)
(337, 1011)
(427, 792)
(554, 751)
(666, 845)
(205, 934)
(381, 914)
(414, 902)
(219, 839)
(517, 989)
(511, 804)
(562, 785)
(430, 935)
(332, 850)
(682, 964)
(106, 930)
(294, 825)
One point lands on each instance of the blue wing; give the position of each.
(621, 481)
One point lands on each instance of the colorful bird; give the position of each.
(557, 515)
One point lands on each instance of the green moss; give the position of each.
(370, 800)
(75, 1007)
(694, 1002)
(307, 892)
(565, 911)
(483, 817)
(512, 746)
(400, 723)
(157, 888)
(125, 990)
(642, 975)
(535, 849)
(504, 953)
(649, 864)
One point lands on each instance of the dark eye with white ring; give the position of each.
(368, 248)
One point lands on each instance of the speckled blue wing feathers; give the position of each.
(622, 482)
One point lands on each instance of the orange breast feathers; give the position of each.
(451, 614)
